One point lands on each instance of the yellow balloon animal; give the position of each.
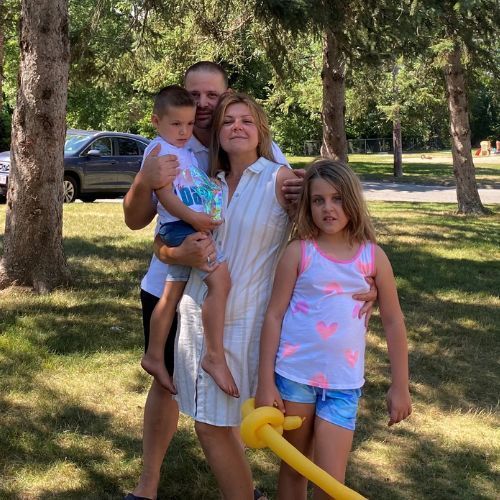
(263, 427)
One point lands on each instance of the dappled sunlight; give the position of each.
(73, 393)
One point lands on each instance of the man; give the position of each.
(205, 81)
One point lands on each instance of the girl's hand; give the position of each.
(398, 404)
(268, 395)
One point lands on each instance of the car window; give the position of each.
(103, 145)
(128, 147)
(74, 142)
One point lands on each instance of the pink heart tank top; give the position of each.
(322, 338)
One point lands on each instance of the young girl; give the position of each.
(313, 340)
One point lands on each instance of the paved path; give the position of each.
(391, 191)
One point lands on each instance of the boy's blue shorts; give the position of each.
(337, 406)
(173, 234)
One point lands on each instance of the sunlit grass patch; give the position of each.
(433, 168)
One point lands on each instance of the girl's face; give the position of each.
(238, 133)
(326, 207)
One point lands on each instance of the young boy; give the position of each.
(182, 211)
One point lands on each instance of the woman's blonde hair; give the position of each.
(218, 157)
(359, 226)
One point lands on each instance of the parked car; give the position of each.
(96, 164)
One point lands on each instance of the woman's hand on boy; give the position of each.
(398, 403)
(158, 171)
(197, 250)
(368, 298)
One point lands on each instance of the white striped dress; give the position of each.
(255, 232)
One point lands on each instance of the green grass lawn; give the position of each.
(72, 392)
(435, 169)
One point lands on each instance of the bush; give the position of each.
(5, 123)
(291, 130)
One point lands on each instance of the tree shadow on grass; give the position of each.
(452, 361)
(107, 262)
(91, 327)
(73, 435)
(454, 341)
(425, 468)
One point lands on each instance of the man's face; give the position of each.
(206, 87)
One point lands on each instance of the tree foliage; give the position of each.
(123, 51)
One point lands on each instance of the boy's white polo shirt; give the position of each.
(154, 279)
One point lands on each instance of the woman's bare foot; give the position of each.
(217, 368)
(159, 372)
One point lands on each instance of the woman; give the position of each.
(255, 230)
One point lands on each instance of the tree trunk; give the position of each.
(397, 144)
(463, 167)
(33, 251)
(333, 76)
(397, 141)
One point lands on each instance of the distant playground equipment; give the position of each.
(263, 428)
(486, 149)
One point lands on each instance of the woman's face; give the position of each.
(238, 133)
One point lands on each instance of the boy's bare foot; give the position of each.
(217, 368)
(159, 372)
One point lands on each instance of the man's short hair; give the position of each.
(171, 96)
(210, 67)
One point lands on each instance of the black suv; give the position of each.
(96, 164)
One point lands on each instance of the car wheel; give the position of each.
(87, 199)
(70, 189)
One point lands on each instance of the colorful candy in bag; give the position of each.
(205, 191)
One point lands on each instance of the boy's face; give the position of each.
(175, 125)
(205, 87)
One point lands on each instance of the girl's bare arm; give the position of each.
(398, 396)
(284, 283)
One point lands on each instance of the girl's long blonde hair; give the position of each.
(359, 226)
(218, 157)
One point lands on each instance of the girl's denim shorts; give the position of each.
(337, 406)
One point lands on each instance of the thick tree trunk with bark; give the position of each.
(33, 252)
(463, 167)
(333, 76)
(397, 144)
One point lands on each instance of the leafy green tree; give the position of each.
(460, 34)
(9, 61)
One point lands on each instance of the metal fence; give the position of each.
(376, 145)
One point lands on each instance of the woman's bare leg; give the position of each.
(227, 460)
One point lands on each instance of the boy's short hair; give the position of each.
(209, 67)
(172, 95)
